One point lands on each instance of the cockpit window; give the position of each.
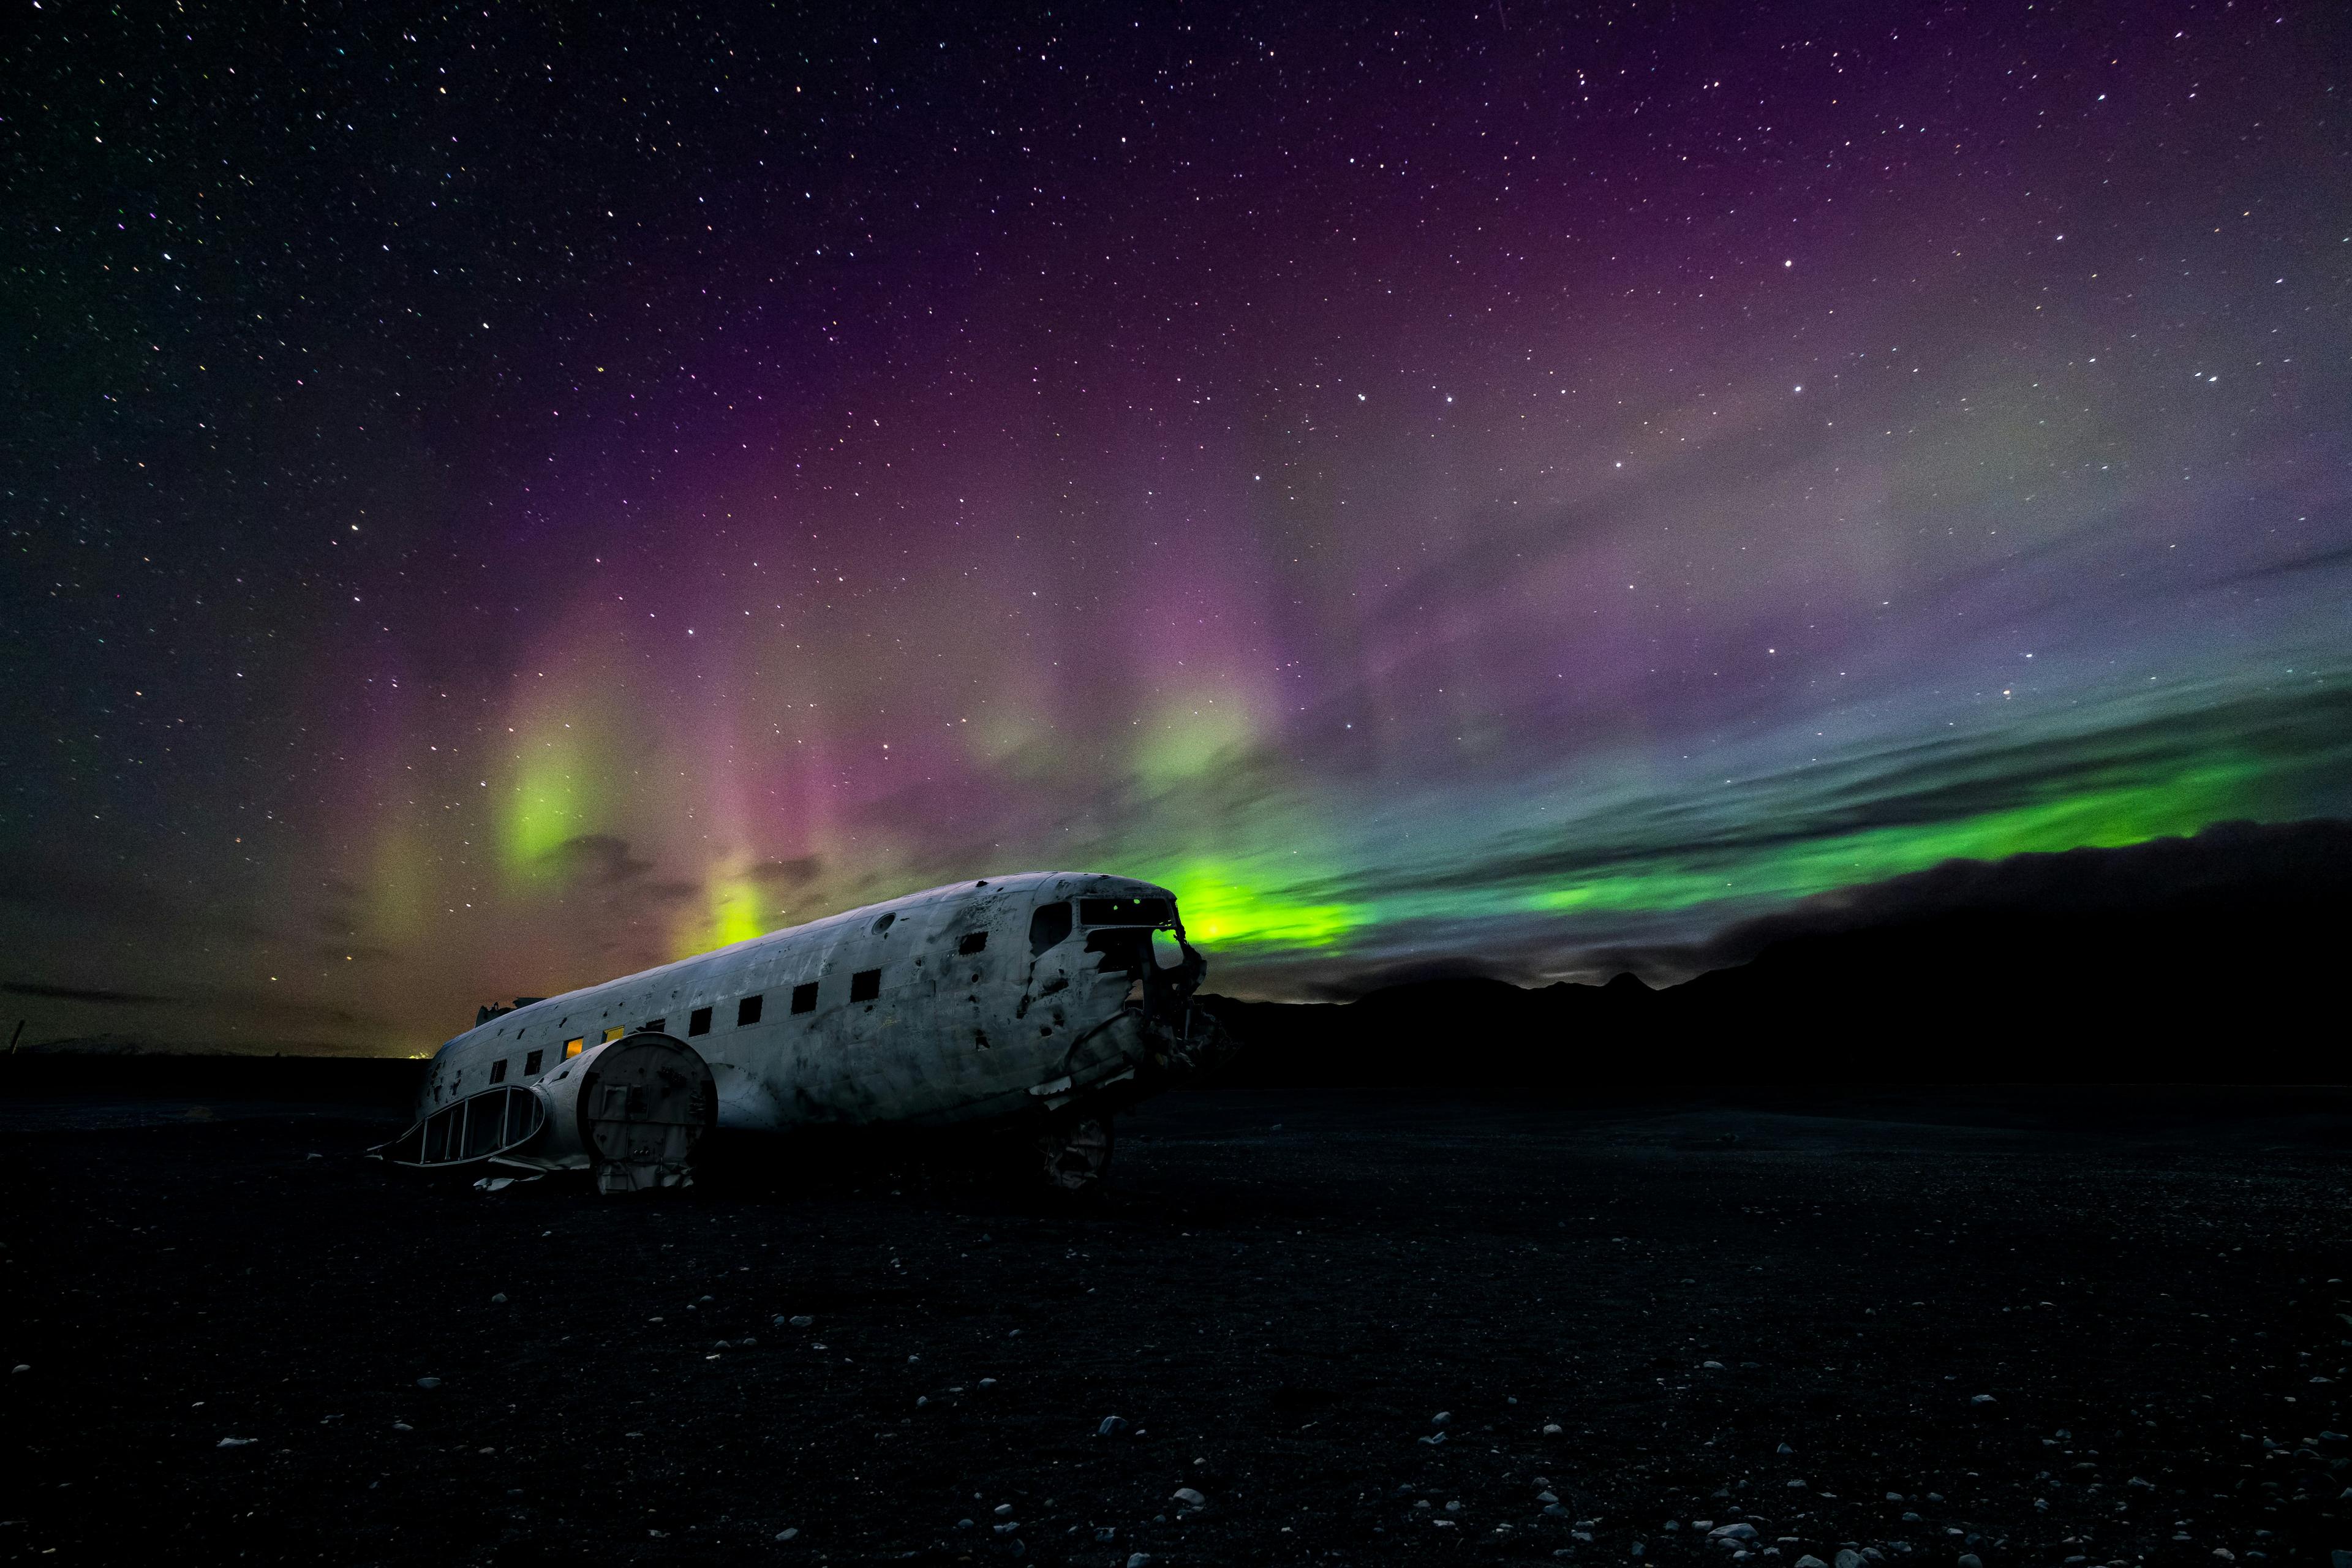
(1122, 947)
(1124, 911)
(1048, 926)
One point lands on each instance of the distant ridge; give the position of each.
(2221, 958)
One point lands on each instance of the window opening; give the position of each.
(864, 985)
(1048, 926)
(973, 942)
(571, 1048)
(613, 1034)
(747, 1011)
(498, 1070)
(1124, 911)
(804, 997)
(531, 1063)
(883, 923)
(697, 1022)
(1122, 947)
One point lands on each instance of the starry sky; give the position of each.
(494, 497)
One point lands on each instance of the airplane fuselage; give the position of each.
(1006, 998)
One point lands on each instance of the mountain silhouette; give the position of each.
(2217, 958)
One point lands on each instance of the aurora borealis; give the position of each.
(498, 499)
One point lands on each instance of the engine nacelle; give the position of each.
(631, 1112)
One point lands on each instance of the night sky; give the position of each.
(494, 499)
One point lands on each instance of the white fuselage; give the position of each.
(968, 1003)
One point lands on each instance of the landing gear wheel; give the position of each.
(1077, 1154)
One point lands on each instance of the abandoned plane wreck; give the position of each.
(1040, 1004)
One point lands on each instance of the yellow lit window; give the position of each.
(571, 1048)
(613, 1034)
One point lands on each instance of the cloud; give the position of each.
(600, 859)
(797, 872)
(81, 993)
(54, 884)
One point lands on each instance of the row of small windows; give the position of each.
(864, 985)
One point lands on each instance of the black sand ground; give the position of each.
(2059, 1337)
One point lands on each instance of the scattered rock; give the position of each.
(1969, 1559)
(1112, 1425)
(1140, 1560)
(1849, 1558)
(1981, 1399)
(788, 1535)
(428, 1382)
(236, 1442)
(1551, 1429)
(500, 1298)
(1190, 1498)
(1808, 1560)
